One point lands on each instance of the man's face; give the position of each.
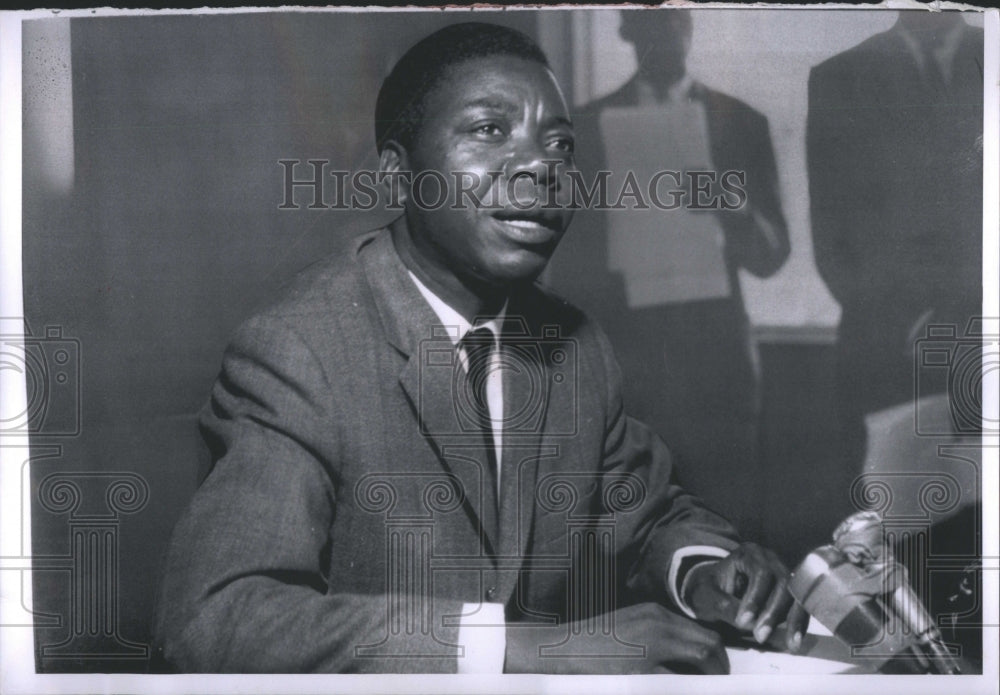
(497, 120)
(662, 39)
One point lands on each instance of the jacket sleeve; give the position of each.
(245, 587)
(668, 519)
(758, 239)
(842, 192)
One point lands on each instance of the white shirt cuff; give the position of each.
(483, 633)
(677, 583)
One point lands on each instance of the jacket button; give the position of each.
(491, 593)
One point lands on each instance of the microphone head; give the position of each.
(860, 538)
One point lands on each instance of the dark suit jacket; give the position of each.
(339, 529)
(895, 181)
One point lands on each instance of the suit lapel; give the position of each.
(429, 386)
(428, 377)
(527, 381)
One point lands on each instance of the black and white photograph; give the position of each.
(497, 349)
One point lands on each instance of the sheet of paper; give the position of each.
(665, 256)
(822, 653)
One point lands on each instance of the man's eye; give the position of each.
(562, 144)
(488, 129)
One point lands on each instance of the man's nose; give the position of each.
(532, 163)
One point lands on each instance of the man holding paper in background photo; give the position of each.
(676, 316)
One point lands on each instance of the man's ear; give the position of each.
(393, 160)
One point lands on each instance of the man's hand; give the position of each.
(749, 590)
(670, 643)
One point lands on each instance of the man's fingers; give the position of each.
(711, 603)
(796, 624)
(704, 651)
(774, 611)
(758, 589)
(713, 659)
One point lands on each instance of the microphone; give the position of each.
(856, 589)
(860, 538)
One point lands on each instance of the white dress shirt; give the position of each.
(457, 327)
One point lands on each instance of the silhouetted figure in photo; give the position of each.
(687, 363)
(895, 177)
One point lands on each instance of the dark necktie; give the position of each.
(479, 346)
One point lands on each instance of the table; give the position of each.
(822, 653)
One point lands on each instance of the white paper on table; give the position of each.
(822, 653)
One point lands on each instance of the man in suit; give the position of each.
(894, 146)
(688, 364)
(421, 459)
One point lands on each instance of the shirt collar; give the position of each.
(456, 324)
(679, 92)
(944, 52)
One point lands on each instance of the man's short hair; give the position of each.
(669, 22)
(400, 104)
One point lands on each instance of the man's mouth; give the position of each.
(529, 226)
